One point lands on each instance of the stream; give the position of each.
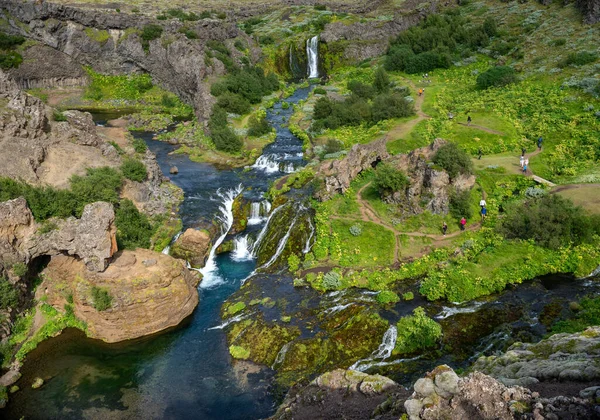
(188, 372)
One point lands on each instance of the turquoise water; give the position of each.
(182, 374)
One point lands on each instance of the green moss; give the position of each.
(99, 35)
(385, 297)
(238, 352)
(234, 309)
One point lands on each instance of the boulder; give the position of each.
(145, 298)
(37, 383)
(173, 170)
(16, 227)
(192, 246)
(339, 394)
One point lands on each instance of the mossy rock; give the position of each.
(241, 212)
(230, 309)
(226, 246)
(262, 339)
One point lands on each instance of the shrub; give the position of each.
(588, 315)
(332, 280)
(258, 126)
(189, 33)
(100, 184)
(133, 228)
(134, 170)
(101, 299)
(139, 145)
(398, 57)
(389, 180)
(417, 332)
(361, 89)
(453, 160)
(382, 81)
(333, 146)
(427, 61)
(355, 230)
(293, 263)
(19, 269)
(231, 102)
(239, 45)
(489, 26)
(226, 140)
(386, 297)
(391, 106)
(149, 33)
(323, 108)
(9, 297)
(10, 41)
(496, 77)
(408, 296)
(320, 91)
(10, 60)
(578, 59)
(552, 221)
(218, 46)
(460, 204)
(218, 119)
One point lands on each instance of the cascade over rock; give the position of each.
(149, 291)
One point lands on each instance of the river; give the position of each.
(188, 372)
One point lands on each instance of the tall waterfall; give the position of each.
(211, 278)
(259, 211)
(312, 51)
(242, 248)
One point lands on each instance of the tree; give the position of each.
(416, 332)
(382, 81)
(390, 106)
(133, 228)
(460, 204)
(496, 77)
(453, 160)
(361, 89)
(389, 180)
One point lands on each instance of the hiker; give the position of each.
(483, 213)
(463, 222)
(523, 150)
(421, 92)
(482, 203)
(522, 160)
(444, 228)
(525, 168)
(469, 120)
(479, 154)
(540, 140)
(526, 162)
(450, 115)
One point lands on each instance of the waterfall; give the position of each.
(467, 309)
(211, 278)
(259, 211)
(280, 246)
(281, 355)
(307, 247)
(312, 51)
(383, 351)
(267, 164)
(167, 249)
(242, 248)
(263, 232)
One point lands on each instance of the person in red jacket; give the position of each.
(463, 222)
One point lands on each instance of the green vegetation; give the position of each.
(551, 221)
(258, 125)
(139, 145)
(385, 297)
(134, 170)
(460, 204)
(101, 298)
(496, 77)
(134, 230)
(417, 332)
(19, 269)
(587, 315)
(434, 43)
(389, 180)
(579, 59)
(9, 58)
(453, 160)
(180, 14)
(238, 352)
(9, 297)
(149, 33)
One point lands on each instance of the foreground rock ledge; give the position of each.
(150, 292)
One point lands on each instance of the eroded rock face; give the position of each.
(429, 187)
(16, 226)
(443, 395)
(562, 357)
(590, 10)
(339, 173)
(150, 292)
(193, 246)
(339, 394)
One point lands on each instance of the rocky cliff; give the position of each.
(173, 60)
(149, 292)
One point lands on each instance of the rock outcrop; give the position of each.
(441, 394)
(149, 292)
(340, 394)
(192, 246)
(562, 357)
(91, 238)
(590, 10)
(430, 187)
(339, 173)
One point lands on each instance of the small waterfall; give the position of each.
(281, 355)
(267, 164)
(308, 245)
(448, 312)
(259, 211)
(231, 320)
(263, 232)
(383, 351)
(280, 246)
(211, 278)
(312, 51)
(168, 247)
(242, 248)
(287, 168)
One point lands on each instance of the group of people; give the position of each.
(463, 220)
(525, 161)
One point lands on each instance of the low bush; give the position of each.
(134, 230)
(10, 60)
(149, 33)
(587, 315)
(332, 280)
(578, 59)
(385, 297)
(100, 184)
(9, 297)
(10, 41)
(231, 102)
(389, 180)
(320, 91)
(361, 90)
(453, 160)
(101, 299)
(258, 126)
(386, 107)
(460, 204)
(417, 332)
(139, 145)
(496, 77)
(226, 140)
(134, 170)
(551, 220)
(381, 84)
